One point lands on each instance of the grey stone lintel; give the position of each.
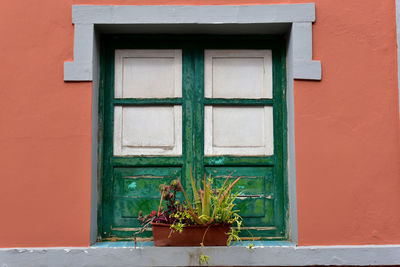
(249, 18)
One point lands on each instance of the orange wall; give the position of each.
(347, 126)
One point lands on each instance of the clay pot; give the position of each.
(191, 235)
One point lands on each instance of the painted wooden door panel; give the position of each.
(135, 190)
(258, 200)
(238, 130)
(148, 73)
(147, 130)
(238, 73)
(180, 104)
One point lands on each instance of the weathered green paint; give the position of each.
(106, 134)
(252, 187)
(188, 76)
(100, 165)
(280, 130)
(198, 103)
(136, 189)
(239, 161)
(130, 184)
(142, 182)
(146, 161)
(147, 101)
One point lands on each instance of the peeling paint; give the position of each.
(143, 177)
(132, 185)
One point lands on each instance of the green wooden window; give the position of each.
(208, 119)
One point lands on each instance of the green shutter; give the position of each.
(130, 184)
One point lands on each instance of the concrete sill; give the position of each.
(131, 244)
(265, 253)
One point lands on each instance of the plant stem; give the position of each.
(161, 199)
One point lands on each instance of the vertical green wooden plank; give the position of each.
(198, 104)
(284, 173)
(279, 135)
(188, 86)
(101, 140)
(108, 142)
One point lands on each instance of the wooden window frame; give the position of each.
(192, 46)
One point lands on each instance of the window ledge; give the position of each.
(131, 244)
(266, 254)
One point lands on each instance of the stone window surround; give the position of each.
(299, 18)
(295, 20)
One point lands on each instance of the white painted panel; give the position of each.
(148, 73)
(147, 77)
(238, 131)
(237, 77)
(148, 130)
(148, 126)
(238, 73)
(238, 127)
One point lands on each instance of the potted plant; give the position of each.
(205, 222)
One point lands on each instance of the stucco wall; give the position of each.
(346, 127)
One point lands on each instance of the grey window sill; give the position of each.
(265, 253)
(131, 244)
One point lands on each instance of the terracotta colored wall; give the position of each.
(45, 129)
(347, 126)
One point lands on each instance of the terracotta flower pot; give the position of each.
(191, 235)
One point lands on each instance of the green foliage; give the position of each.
(178, 227)
(179, 218)
(210, 206)
(234, 233)
(251, 245)
(213, 205)
(203, 259)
